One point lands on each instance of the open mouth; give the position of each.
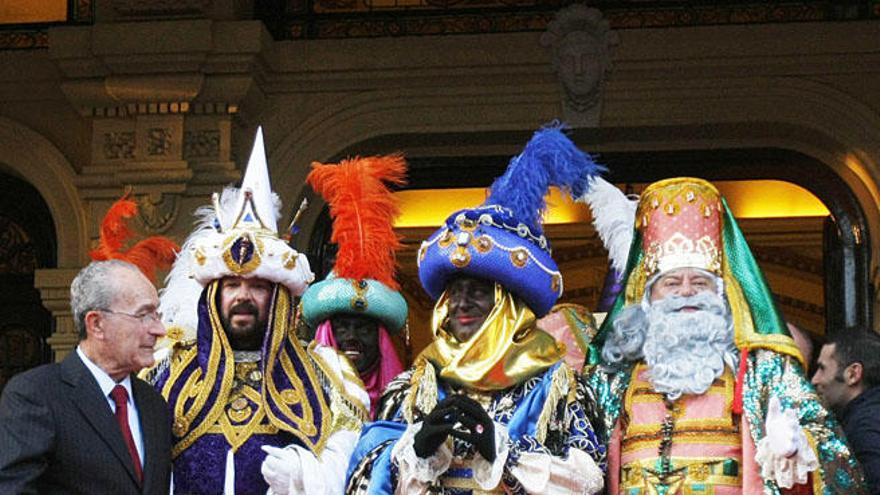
(351, 349)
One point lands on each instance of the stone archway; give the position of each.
(31, 157)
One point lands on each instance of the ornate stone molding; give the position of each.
(159, 142)
(23, 39)
(158, 212)
(160, 96)
(336, 19)
(35, 159)
(118, 145)
(202, 144)
(592, 250)
(160, 8)
(805, 306)
(181, 66)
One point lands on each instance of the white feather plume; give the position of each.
(178, 300)
(614, 216)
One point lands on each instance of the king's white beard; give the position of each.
(685, 350)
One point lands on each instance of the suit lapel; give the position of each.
(90, 401)
(150, 431)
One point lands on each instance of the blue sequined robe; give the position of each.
(546, 414)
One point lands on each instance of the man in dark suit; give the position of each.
(87, 424)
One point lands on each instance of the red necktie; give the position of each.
(120, 397)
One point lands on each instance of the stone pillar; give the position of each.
(54, 287)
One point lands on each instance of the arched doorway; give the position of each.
(27, 242)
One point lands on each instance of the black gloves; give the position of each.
(461, 417)
(480, 429)
(435, 428)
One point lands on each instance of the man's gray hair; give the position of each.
(94, 288)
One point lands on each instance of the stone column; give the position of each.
(54, 287)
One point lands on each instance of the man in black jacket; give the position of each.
(848, 380)
(87, 424)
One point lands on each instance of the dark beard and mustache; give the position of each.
(247, 338)
(685, 350)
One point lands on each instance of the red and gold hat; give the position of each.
(680, 223)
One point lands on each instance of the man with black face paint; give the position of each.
(489, 406)
(358, 307)
(470, 300)
(357, 338)
(254, 410)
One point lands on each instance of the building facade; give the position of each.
(164, 97)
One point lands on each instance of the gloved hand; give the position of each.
(278, 467)
(782, 429)
(480, 427)
(784, 453)
(436, 427)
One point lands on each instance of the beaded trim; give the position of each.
(487, 219)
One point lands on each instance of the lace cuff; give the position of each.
(488, 474)
(541, 473)
(786, 471)
(414, 467)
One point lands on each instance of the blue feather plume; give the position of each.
(549, 159)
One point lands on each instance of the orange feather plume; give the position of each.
(363, 210)
(149, 255)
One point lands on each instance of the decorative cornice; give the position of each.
(142, 9)
(335, 19)
(124, 69)
(24, 39)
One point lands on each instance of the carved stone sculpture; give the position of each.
(581, 43)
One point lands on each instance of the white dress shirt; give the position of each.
(106, 383)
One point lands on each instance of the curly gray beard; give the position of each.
(685, 350)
